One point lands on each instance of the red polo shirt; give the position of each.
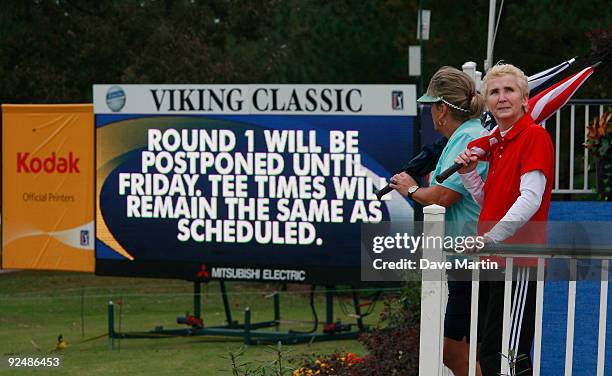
(526, 147)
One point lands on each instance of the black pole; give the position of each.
(418, 209)
(329, 304)
(357, 310)
(120, 319)
(247, 326)
(226, 306)
(197, 300)
(277, 309)
(111, 324)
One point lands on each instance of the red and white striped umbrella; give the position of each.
(536, 82)
(543, 105)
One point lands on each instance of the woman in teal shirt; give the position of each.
(456, 107)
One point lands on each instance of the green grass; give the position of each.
(37, 306)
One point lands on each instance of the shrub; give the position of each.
(393, 347)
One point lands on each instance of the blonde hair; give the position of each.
(501, 69)
(458, 91)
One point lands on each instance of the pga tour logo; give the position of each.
(115, 98)
(397, 100)
(84, 238)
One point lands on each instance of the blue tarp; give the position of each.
(586, 323)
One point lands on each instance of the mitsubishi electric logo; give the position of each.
(115, 98)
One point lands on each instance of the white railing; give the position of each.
(568, 129)
(433, 301)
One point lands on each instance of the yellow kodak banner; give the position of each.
(47, 183)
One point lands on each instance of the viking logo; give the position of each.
(115, 98)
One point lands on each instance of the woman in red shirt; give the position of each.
(515, 200)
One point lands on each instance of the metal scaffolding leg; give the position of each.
(357, 310)
(226, 305)
(329, 304)
(197, 300)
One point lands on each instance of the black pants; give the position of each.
(522, 316)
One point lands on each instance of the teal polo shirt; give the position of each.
(465, 211)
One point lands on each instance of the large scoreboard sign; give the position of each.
(263, 183)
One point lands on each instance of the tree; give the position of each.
(53, 51)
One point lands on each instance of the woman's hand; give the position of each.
(468, 160)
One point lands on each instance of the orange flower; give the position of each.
(604, 124)
(597, 131)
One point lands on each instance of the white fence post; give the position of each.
(474, 322)
(539, 313)
(603, 308)
(571, 315)
(432, 297)
(506, 318)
